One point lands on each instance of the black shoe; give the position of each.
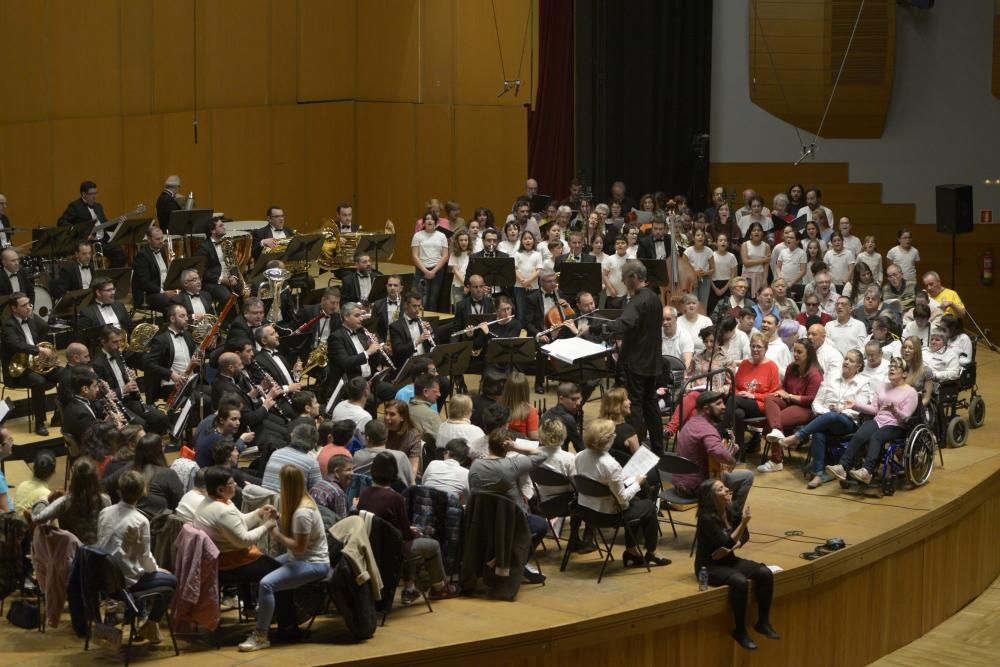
(582, 547)
(41, 430)
(743, 639)
(630, 559)
(289, 635)
(766, 630)
(533, 577)
(539, 389)
(656, 561)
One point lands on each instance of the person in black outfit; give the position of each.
(722, 529)
(568, 409)
(641, 323)
(83, 411)
(77, 354)
(13, 278)
(656, 244)
(242, 328)
(217, 280)
(491, 239)
(110, 366)
(387, 310)
(324, 327)
(166, 360)
(476, 302)
(22, 332)
(104, 309)
(269, 235)
(279, 366)
(77, 273)
(86, 208)
(256, 410)
(352, 354)
(539, 304)
(149, 270)
(410, 334)
(357, 285)
(345, 218)
(6, 236)
(167, 202)
(192, 298)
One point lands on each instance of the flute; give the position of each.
(468, 330)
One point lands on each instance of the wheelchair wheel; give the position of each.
(977, 411)
(919, 456)
(957, 432)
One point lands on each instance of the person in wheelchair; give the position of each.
(892, 405)
(941, 359)
(958, 341)
(835, 413)
(921, 375)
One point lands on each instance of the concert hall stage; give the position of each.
(913, 560)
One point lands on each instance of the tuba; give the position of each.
(276, 279)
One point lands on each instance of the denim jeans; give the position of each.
(291, 575)
(430, 289)
(159, 604)
(832, 424)
(874, 437)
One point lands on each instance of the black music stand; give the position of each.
(508, 352)
(576, 277)
(294, 344)
(72, 303)
(305, 248)
(540, 202)
(495, 271)
(131, 231)
(78, 232)
(178, 266)
(186, 223)
(378, 245)
(656, 272)
(582, 371)
(49, 242)
(407, 373)
(256, 272)
(122, 278)
(452, 359)
(313, 296)
(380, 291)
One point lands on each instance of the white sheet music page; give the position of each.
(642, 461)
(573, 349)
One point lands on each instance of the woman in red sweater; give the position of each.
(792, 404)
(756, 378)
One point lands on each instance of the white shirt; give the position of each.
(15, 282)
(839, 264)
(906, 260)
(366, 369)
(447, 476)
(107, 311)
(526, 263)
(276, 234)
(775, 253)
(222, 260)
(699, 259)
(737, 349)
(86, 275)
(806, 211)
(835, 390)
(162, 266)
(692, 329)
(744, 222)
(182, 356)
(27, 332)
(962, 347)
(123, 532)
(197, 307)
(846, 337)
(874, 262)
(853, 243)
(117, 372)
(601, 467)
(365, 286)
(758, 251)
(357, 414)
(876, 376)
(99, 234)
(893, 349)
(431, 247)
(612, 265)
(286, 376)
(830, 360)
(459, 263)
(923, 333)
(659, 247)
(791, 263)
(677, 345)
(725, 266)
(450, 430)
(779, 353)
(944, 363)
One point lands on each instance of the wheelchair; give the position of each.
(950, 427)
(909, 458)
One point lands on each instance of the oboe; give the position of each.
(372, 338)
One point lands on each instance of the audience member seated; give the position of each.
(187, 508)
(458, 425)
(898, 290)
(375, 443)
(876, 366)
(122, 456)
(387, 504)
(331, 491)
(920, 325)
(756, 379)
(616, 407)
(225, 455)
(516, 397)
(78, 509)
(791, 405)
(123, 533)
(341, 434)
(810, 310)
(958, 341)
(777, 350)
(595, 463)
(736, 301)
(690, 321)
(490, 390)
(946, 299)
(920, 376)
(827, 356)
(699, 439)
(28, 495)
(356, 393)
(942, 361)
(296, 453)
(881, 334)
(223, 425)
(674, 342)
(403, 435)
(164, 486)
(568, 409)
(722, 528)
(306, 559)
(423, 405)
(892, 404)
(449, 474)
(845, 332)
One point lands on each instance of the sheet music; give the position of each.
(336, 392)
(182, 419)
(5, 408)
(569, 350)
(526, 444)
(642, 461)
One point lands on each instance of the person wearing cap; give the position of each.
(698, 440)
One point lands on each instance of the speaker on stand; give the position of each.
(954, 216)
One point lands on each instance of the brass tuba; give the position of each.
(276, 279)
(229, 254)
(22, 362)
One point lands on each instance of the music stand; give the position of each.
(122, 278)
(293, 344)
(131, 231)
(252, 277)
(540, 202)
(379, 286)
(178, 266)
(77, 232)
(508, 352)
(48, 242)
(406, 374)
(495, 271)
(452, 359)
(583, 371)
(576, 277)
(378, 244)
(656, 272)
(312, 297)
(186, 223)
(305, 248)
(72, 303)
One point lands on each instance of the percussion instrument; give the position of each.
(242, 244)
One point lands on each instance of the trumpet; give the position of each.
(468, 330)
(372, 338)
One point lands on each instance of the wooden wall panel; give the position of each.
(330, 163)
(388, 45)
(241, 162)
(88, 149)
(386, 167)
(25, 61)
(437, 51)
(436, 152)
(288, 164)
(173, 43)
(137, 56)
(326, 50)
(284, 52)
(234, 42)
(85, 45)
(192, 162)
(142, 160)
(25, 151)
(996, 49)
(478, 74)
(491, 157)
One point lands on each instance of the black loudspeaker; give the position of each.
(954, 209)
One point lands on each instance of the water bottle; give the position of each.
(189, 204)
(703, 578)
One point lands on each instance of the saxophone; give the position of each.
(229, 254)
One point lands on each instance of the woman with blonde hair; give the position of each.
(516, 397)
(459, 423)
(458, 260)
(920, 376)
(616, 407)
(300, 531)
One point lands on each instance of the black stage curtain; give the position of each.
(643, 93)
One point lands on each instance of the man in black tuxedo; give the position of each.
(410, 335)
(476, 302)
(12, 278)
(641, 324)
(357, 285)
(77, 355)
(352, 354)
(104, 309)
(257, 412)
(194, 301)
(385, 311)
(217, 280)
(491, 239)
(540, 303)
(22, 332)
(77, 273)
(82, 411)
(269, 235)
(6, 236)
(277, 365)
(576, 253)
(169, 354)
(149, 271)
(87, 208)
(345, 218)
(287, 306)
(656, 244)
(110, 367)
(242, 328)
(328, 307)
(167, 202)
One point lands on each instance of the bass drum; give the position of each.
(242, 245)
(175, 244)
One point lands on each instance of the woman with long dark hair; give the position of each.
(722, 529)
(78, 509)
(791, 405)
(163, 486)
(403, 433)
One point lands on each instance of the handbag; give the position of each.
(24, 614)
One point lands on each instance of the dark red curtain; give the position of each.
(550, 124)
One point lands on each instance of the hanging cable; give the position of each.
(194, 68)
(524, 43)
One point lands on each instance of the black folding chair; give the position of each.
(558, 506)
(670, 465)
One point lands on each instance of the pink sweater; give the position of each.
(903, 397)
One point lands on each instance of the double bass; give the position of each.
(681, 278)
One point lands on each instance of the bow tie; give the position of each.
(177, 335)
(23, 322)
(488, 254)
(413, 321)
(12, 275)
(550, 295)
(364, 275)
(85, 267)
(392, 303)
(107, 305)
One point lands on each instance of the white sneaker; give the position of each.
(255, 642)
(775, 435)
(838, 472)
(862, 475)
(770, 466)
(229, 602)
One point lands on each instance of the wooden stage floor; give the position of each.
(573, 612)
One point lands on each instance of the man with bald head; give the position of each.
(530, 187)
(947, 299)
(77, 354)
(828, 357)
(255, 409)
(167, 202)
(12, 277)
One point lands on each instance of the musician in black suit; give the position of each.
(328, 307)
(476, 302)
(576, 253)
(217, 281)
(641, 324)
(280, 367)
(169, 355)
(357, 285)
(83, 410)
(167, 202)
(287, 305)
(149, 271)
(242, 328)
(77, 354)
(76, 273)
(110, 367)
(410, 334)
(257, 412)
(539, 304)
(656, 244)
(491, 239)
(12, 277)
(345, 218)
(352, 354)
(87, 208)
(385, 311)
(6, 235)
(192, 298)
(22, 332)
(104, 309)
(269, 235)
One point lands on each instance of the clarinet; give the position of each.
(426, 328)
(112, 404)
(372, 338)
(132, 378)
(283, 400)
